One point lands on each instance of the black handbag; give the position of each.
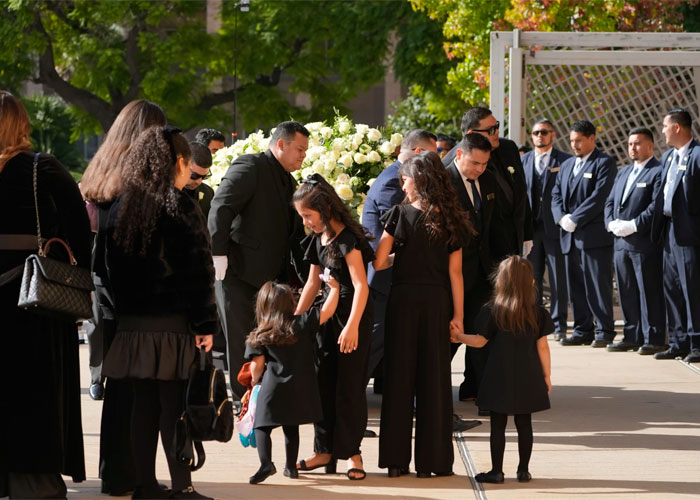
(50, 286)
(208, 413)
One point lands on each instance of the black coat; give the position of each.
(251, 219)
(40, 384)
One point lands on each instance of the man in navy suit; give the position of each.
(676, 222)
(541, 169)
(384, 193)
(578, 201)
(638, 260)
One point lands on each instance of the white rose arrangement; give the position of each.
(349, 156)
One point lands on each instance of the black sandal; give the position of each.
(330, 466)
(356, 471)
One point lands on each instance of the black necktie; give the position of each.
(475, 196)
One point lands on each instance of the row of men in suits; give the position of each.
(587, 215)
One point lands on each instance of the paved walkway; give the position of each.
(620, 425)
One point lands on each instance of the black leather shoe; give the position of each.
(671, 353)
(573, 340)
(291, 473)
(189, 493)
(524, 476)
(97, 392)
(622, 346)
(598, 343)
(444, 474)
(423, 475)
(461, 425)
(693, 356)
(397, 471)
(369, 433)
(262, 474)
(648, 349)
(490, 477)
(559, 336)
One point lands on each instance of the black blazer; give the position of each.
(476, 254)
(638, 206)
(554, 161)
(202, 195)
(584, 199)
(252, 221)
(686, 199)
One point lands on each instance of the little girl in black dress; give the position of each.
(517, 376)
(425, 301)
(339, 244)
(282, 345)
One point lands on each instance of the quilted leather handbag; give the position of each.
(50, 286)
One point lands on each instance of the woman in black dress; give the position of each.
(282, 346)
(42, 434)
(337, 243)
(517, 376)
(161, 278)
(427, 234)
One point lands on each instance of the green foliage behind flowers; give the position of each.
(350, 156)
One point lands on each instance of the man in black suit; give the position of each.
(477, 192)
(578, 202)
(253, 229)
(200, 163)
(512, 221)
(676, 222)
(541, 168)
(638, 260)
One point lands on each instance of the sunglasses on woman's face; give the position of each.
(195, 176)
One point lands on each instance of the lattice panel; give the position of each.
(614, 98)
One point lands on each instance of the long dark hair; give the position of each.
(316, 193)
(444, 217)
(148, 190)
(274, 313)
(514, 306)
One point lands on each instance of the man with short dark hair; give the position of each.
(676, 223)
(200, 163)
(578, 201)
(253, 229)
(541, 168)
(638, 260)
(445, 143)
(211, 138)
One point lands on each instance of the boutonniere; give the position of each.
(511, 170)
(201, 195)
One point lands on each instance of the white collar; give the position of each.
(684, 149)
(548, 152)
(585, 158)
(643, 164)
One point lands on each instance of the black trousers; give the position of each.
(157, 406)
(291, 445)
(116, 456)
(235, 301)
(546, 254)
(376, 353)
(523, 423)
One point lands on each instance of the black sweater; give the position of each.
(175, 276)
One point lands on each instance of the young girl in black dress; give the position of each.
(517, 376)
(338, 243)
(427, 233)
(282, 346)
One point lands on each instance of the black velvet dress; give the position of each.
(40, 385)
(341, 377)
(289, 391)
(513, 381)
(417, 348)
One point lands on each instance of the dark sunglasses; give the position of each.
(195, 176)
(490, 130)
(541, 132)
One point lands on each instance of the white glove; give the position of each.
(625, 228)
(220, 266)
(527, 247)
(612, 225)
(567, 224)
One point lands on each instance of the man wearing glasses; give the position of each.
(541, 169)
(199, 170)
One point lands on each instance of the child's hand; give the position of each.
(206, 341)
(348, 340)
(548, 381)
(333, 283)
(456, 329)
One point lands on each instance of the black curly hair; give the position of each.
(148, 189)
(316, 193)
(444, 217)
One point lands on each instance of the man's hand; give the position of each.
(624, 228)
(567, 224)
(527, 247)
(220, 266)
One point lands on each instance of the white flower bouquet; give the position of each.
(349, 156)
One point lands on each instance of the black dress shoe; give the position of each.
(369, 433)
(444, 474)
(262, 474)
(622, 346)
(291, 473)
(693, 356)
(598, 343)
(524, 476)
(189, 493)
(648, 349)
(574, 340)
(490, 477)
(671, 353)
(397, 471)
(559, 336)
(97, 392)
(423, 475)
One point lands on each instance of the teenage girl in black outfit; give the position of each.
(338, 243)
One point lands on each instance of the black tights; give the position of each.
(157, 405)
(291, 445)
(523, 423)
